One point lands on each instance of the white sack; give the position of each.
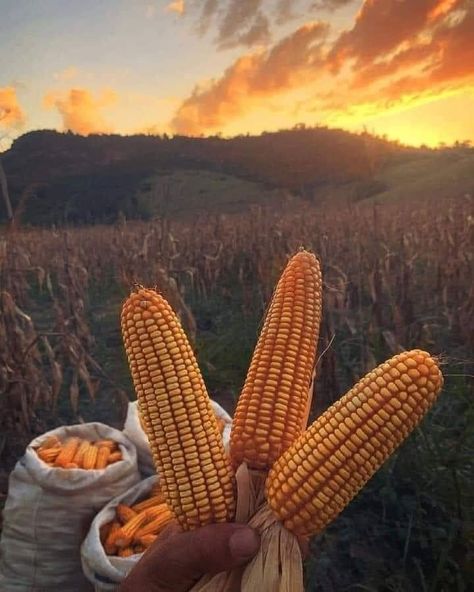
(104, 571)
(49, 510)
(134, 431)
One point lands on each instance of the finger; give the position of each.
(176, 562)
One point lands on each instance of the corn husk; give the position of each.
(278, 565)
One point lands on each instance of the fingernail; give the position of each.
(244, 543)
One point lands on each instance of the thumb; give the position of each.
(178, 559)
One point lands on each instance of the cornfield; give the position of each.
(396, 277)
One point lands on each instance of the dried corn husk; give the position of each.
(278, 565)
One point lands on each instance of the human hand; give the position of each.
(178, 559)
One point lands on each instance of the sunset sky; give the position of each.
(404, 68)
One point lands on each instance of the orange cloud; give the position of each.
(398, 51)
(456, 45)
(80, 111)
(441, 9)
(417, 55)
(382, 26)
(11, 113)
(251, 77)
(447, 63)
(177, 6)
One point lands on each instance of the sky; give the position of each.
(399, 68)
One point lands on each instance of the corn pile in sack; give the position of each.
(283, 478)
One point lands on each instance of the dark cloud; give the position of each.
(257, 34)
(238, 16)
(207, 15)
(285, 11)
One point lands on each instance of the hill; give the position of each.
(57, 178)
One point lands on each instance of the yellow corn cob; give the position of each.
(90, 457)
(196, 475)
(124, 536)
(110, 444)
(104, 531)
(48, 455)
(326, 467)
(79, 456)
(67, 452)
(147, 540)
(71, 465)
(124, 513)
(127, 552)
(50, 442)
(102, 457)
(156, 511)
(114, 457)
(151, 502)
(156, 525)
(273, 407)
(220, 424)
(110, 546)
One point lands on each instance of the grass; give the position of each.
(191, 192)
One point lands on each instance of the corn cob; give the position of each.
(110, 444)
(50, 442)
(79, 456)
(147, 540)
(124, 513)
(156, 511)
(67, 452)
(114, 457)
(90, 457)
(110, 547)
(220, 424)
(124, 536)
(151, 502)
(71, 465)
(126, 552)
(155, 525)
(48, 455)
(196, 476)
(326, 467)
(104, 531)
(102, 457)
(273, 406)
